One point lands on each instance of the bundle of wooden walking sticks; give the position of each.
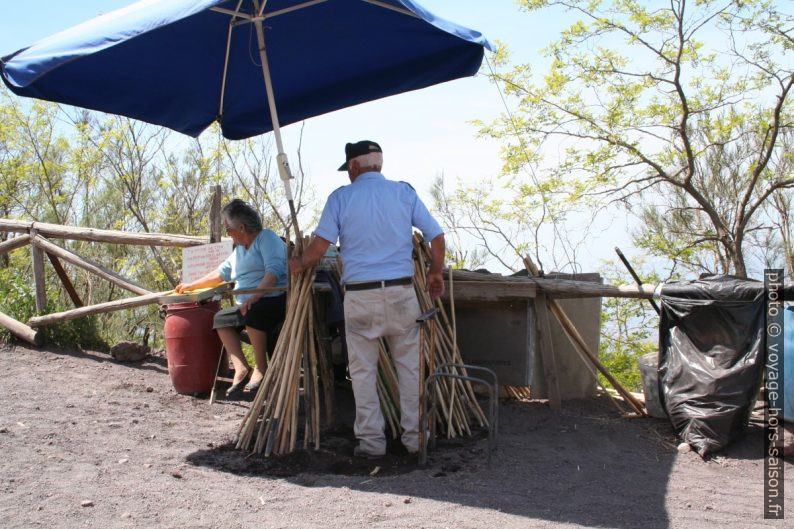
(299, 366)
(455, 400)
(272, 422)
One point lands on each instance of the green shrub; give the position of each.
(18, 300)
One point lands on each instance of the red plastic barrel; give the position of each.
(192, 346)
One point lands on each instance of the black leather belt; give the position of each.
(369, 285)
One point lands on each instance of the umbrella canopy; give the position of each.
(186, 63)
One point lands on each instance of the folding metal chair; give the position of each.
(444, 371)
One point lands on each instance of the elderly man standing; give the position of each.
(373, 219)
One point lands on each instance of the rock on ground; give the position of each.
(129, 352)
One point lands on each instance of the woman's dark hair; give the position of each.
(239, 212)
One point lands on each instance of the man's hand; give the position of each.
(435, 281)
(310, 257)
(435, 284)
(296, 265)
(181, 287)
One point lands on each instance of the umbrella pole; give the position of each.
(281, 159)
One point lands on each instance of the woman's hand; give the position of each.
(211, 279)
(248, 302)
(181, 287)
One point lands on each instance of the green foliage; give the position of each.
(628, 329)
(625, 337)
(83, 333)
(16, 297)
(18, 301)
(487, 221)
(677, 111)
(76, 167)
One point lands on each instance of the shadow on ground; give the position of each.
(155, 361)
(584, 465)
(334, 457)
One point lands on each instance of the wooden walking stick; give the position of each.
(422, 403)
(454, 336)
(636, 278)
(581, 347)
(424, 320)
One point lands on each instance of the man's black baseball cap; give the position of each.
(360, 148)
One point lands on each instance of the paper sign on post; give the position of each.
(198, 260)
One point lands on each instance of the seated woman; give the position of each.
(258, 261)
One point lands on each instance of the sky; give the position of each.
(423, 133)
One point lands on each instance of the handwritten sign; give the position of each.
(198, 260)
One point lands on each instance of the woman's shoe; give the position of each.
(238, 386)
(252, 387)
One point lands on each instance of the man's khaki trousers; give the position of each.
(390, 312)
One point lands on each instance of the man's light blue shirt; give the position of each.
(373, 218)
(247, 267)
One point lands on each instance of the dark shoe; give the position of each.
(239, 386)
(359, 452)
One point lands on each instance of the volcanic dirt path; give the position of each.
(88, 442)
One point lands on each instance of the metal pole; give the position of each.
(281, 159)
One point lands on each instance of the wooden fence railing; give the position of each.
(37, 235)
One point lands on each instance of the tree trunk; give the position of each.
(736, 255)
(787, 245)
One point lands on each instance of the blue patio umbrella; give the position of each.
(250, 65)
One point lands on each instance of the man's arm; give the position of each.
(310, 256)
(435, 281)
(422, 219)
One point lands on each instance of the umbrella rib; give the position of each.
(393, 8)
(232, 12)
(293, 8)
(226, 59)
(247, 19)
(251, 18)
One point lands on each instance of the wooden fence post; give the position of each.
(20, 329)
(67, 283)
(101, 308)
(547, 358)
(216, 222)
(37, 254)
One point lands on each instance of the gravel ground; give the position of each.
(89, 442)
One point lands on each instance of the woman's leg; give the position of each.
(264, 314)
(231, 341)
(259, 344)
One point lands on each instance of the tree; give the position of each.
(678, 110)
(673, 229)
(486, 221)
(73, 166)
(782, 222)
(35, 164)
(254, 178)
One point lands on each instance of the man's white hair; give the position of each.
(372, 160)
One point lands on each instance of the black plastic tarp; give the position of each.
(711, 352)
